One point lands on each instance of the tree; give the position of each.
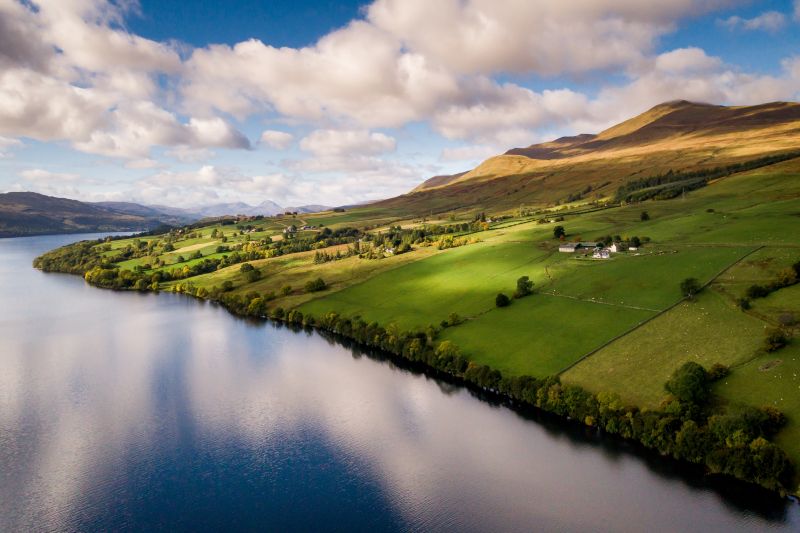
(252, 275)
(717, 372)
(644, 216)
(775, 340)
(316, 285)
(690, 287)
(502, 300)
(635, 241)
(524, 287)
(559, 232)
(246, 267)
(689, 383)
(757, 291)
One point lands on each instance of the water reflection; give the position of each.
(145, 411)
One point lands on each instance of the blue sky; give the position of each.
(190, 103)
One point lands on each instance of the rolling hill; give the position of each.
(674, 136)
(29, 213)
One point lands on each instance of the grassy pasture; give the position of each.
(709, 330)
(649, 280)
(295, 270)
(462, 280)
(541, 334)
(770, 379)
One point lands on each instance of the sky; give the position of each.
(338, 102)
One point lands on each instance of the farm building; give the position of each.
(602, 253)
(570, 247)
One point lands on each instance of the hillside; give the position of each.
(672, 136)
(593, 338)
(29, 213)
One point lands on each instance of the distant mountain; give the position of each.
(673, 136)
(30, 213)
(266, 208)
(131, 208)
(313, 208)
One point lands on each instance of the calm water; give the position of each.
(141, 411)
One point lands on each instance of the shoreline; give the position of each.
(683, 430)
(297, 321)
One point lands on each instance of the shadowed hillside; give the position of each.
(29, 213)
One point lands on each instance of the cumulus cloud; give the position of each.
(770, 21)
(38, 175)
(410, 57)
(546, 37)
(209, 184)
(358, 74)
(472, 153)
(6, 145)
(279, 140)
(61, 184)
(347, 142)
(142, 163)
(134, 128)
(68, 71)
(188, 154)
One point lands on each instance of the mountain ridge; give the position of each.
(677, 135)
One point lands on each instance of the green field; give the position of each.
(709, 330)
(541, 334)
(770, 379)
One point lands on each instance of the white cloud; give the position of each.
(187, 154)
(279, 140)
(686, 60)
(357, 74)
(797, 10)
(546, 37)
(206, 132)
(6, 145)
(210, 184)
(38, 175)
(142, 163)
(411, 57)
(69, 71)
(473, 153)
(61, 184)
(134, 128)
(770, 21)
(347, 142)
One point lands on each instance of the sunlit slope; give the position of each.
(672, 136)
